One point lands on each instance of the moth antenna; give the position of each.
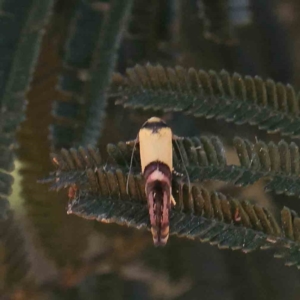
(131, 160)
(184, 166)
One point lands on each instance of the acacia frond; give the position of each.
(80, 45)
(74, 167)
(269, 105)
(73, 164)
(205, 159)
(20, 42)
(103, 65)
(202, 151)
(198, 214)
(84, 32)
(80, 118)
(21, 48)
(279, 163)
(14, 263)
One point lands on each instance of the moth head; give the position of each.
(154, 122)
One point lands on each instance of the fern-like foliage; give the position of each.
(102, 24)
(205, 159)
(190, 152)
(198, 214)
(103, 66)
(101, 191)
(84, 32)
(14, 263)
(22, 36)
(22, 24)
(271, 106)
(74, 167)
(279, 163)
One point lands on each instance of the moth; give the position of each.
(155, 141)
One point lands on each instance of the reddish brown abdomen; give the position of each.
(158, 191)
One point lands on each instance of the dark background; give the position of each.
(73, 258)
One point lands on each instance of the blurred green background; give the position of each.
(53, 255)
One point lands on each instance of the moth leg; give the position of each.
(177, 138)
(173, 200)
(132, 142)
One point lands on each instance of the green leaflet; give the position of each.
(270, 106)
(34, 17)
(279, 163)
(84, 33)
(21, 31)
(102, 39)
(103, 65)
(22, 25)
(205, 159)
(198, 214)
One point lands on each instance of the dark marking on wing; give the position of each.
(155, 126)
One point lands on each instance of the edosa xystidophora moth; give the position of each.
(155, 140)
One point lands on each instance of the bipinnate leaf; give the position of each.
(279, 163)
(81, 45)
(202, 151)
(22, 34)
(199, 214)
(205, 159)
(270, 106)
(84, 31)
(102, 68)
(93, 70)
(22, 26)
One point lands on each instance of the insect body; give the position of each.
(155, 139)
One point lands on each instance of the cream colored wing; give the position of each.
(156, 146)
